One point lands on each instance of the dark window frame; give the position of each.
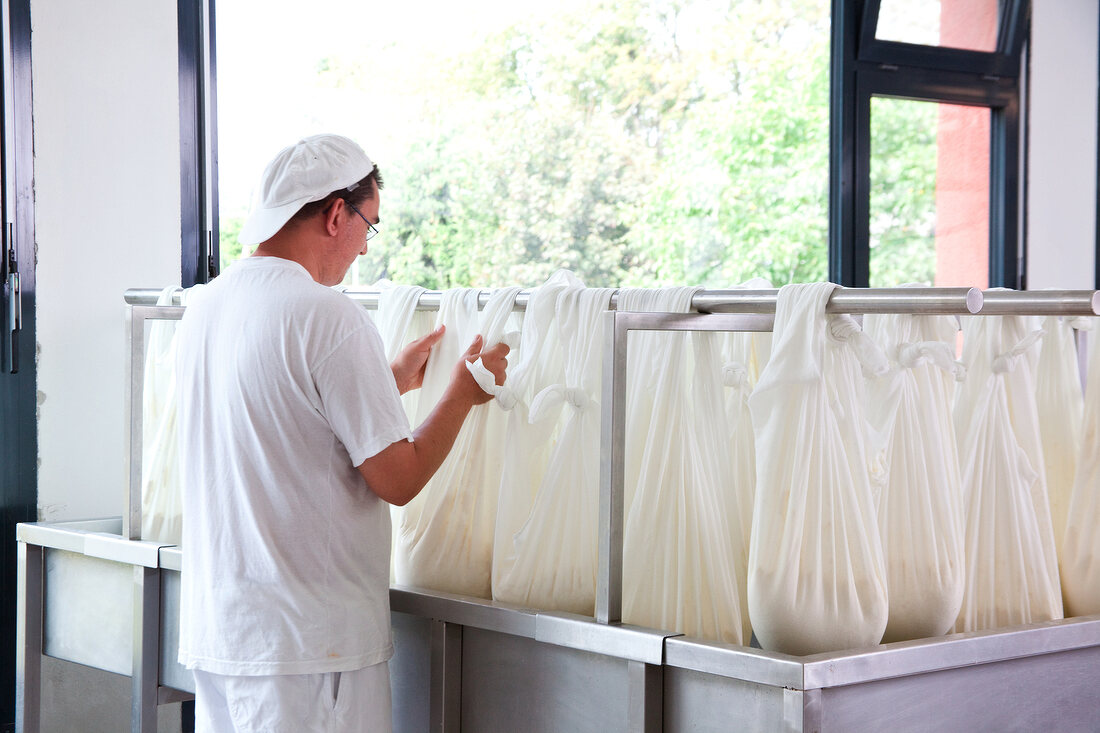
(199, 224)
(863, 67)
(18, 391)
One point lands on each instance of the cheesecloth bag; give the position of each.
(161, 500)
(556, 555)
(920, 510)
(744, 355)
(529, 445)
(398, 324)
(817, 578)
(679, 566)
(1061, 412)
(445, 538)
(1080, 557)
(1011, 567)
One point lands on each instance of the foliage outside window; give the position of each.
(640, 142)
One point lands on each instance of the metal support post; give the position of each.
(609, 578)
(28, 639)
(146, 669)
(446, 678)
(647, 693)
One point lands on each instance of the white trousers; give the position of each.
(332, 702)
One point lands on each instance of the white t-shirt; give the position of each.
(283, 389)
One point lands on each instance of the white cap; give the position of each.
(305, 172)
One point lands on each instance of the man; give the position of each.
(293, 437)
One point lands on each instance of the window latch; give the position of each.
(14, 305)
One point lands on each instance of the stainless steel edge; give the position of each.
(30, 599)
(69, 536)
(145, 670)
(167, 695)
(737, 662)
(135, 378)
(464, 610)
(925, 301)
(445, 695)
(135, 370)
(171, 558)
(902, 659)
(119, 549)
(1041, 302)
(586, 634)
(645, 709)
(609, 573)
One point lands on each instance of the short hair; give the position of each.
(356, 195)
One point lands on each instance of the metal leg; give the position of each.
(146, 668)
(647, 694)
(28, 639)
(446, 676)
(609, 580)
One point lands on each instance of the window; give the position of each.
(640, 142)
(643, 142)
(938, 207)
(929, 208)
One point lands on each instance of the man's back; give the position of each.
(284, 390)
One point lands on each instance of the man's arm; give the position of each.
(399, 472)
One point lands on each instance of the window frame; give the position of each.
(863, 67)
(199, 222)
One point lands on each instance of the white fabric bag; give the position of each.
(529, 445)
(555, 551)
(817, 578)
(920, 509)
(680, 568)
(445, 540)
(399, 324)
(1080, 556)
(744, 355)
(1061, 408)
(1011, 564)
(161, 498)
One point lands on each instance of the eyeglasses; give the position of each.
(372, 232)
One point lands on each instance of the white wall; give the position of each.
(1062, 156)
(107, 215)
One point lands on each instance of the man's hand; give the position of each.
(408, 367)
(494, 359)
(398, 473)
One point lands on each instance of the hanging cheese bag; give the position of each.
(555, 550)
(817, 578)
(680, 568)
(1061, 407)
(161, 497)
(529, 445)
(920, 512)
(445, 537)
(1080, 556)
(744, 354)
(1011, 568)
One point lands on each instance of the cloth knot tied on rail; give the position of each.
(1006, 362)
(870, 356)
(554, 397)
(505, 398)
(936, 352)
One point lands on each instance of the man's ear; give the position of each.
(333, 216)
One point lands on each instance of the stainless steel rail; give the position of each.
(926, 301)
